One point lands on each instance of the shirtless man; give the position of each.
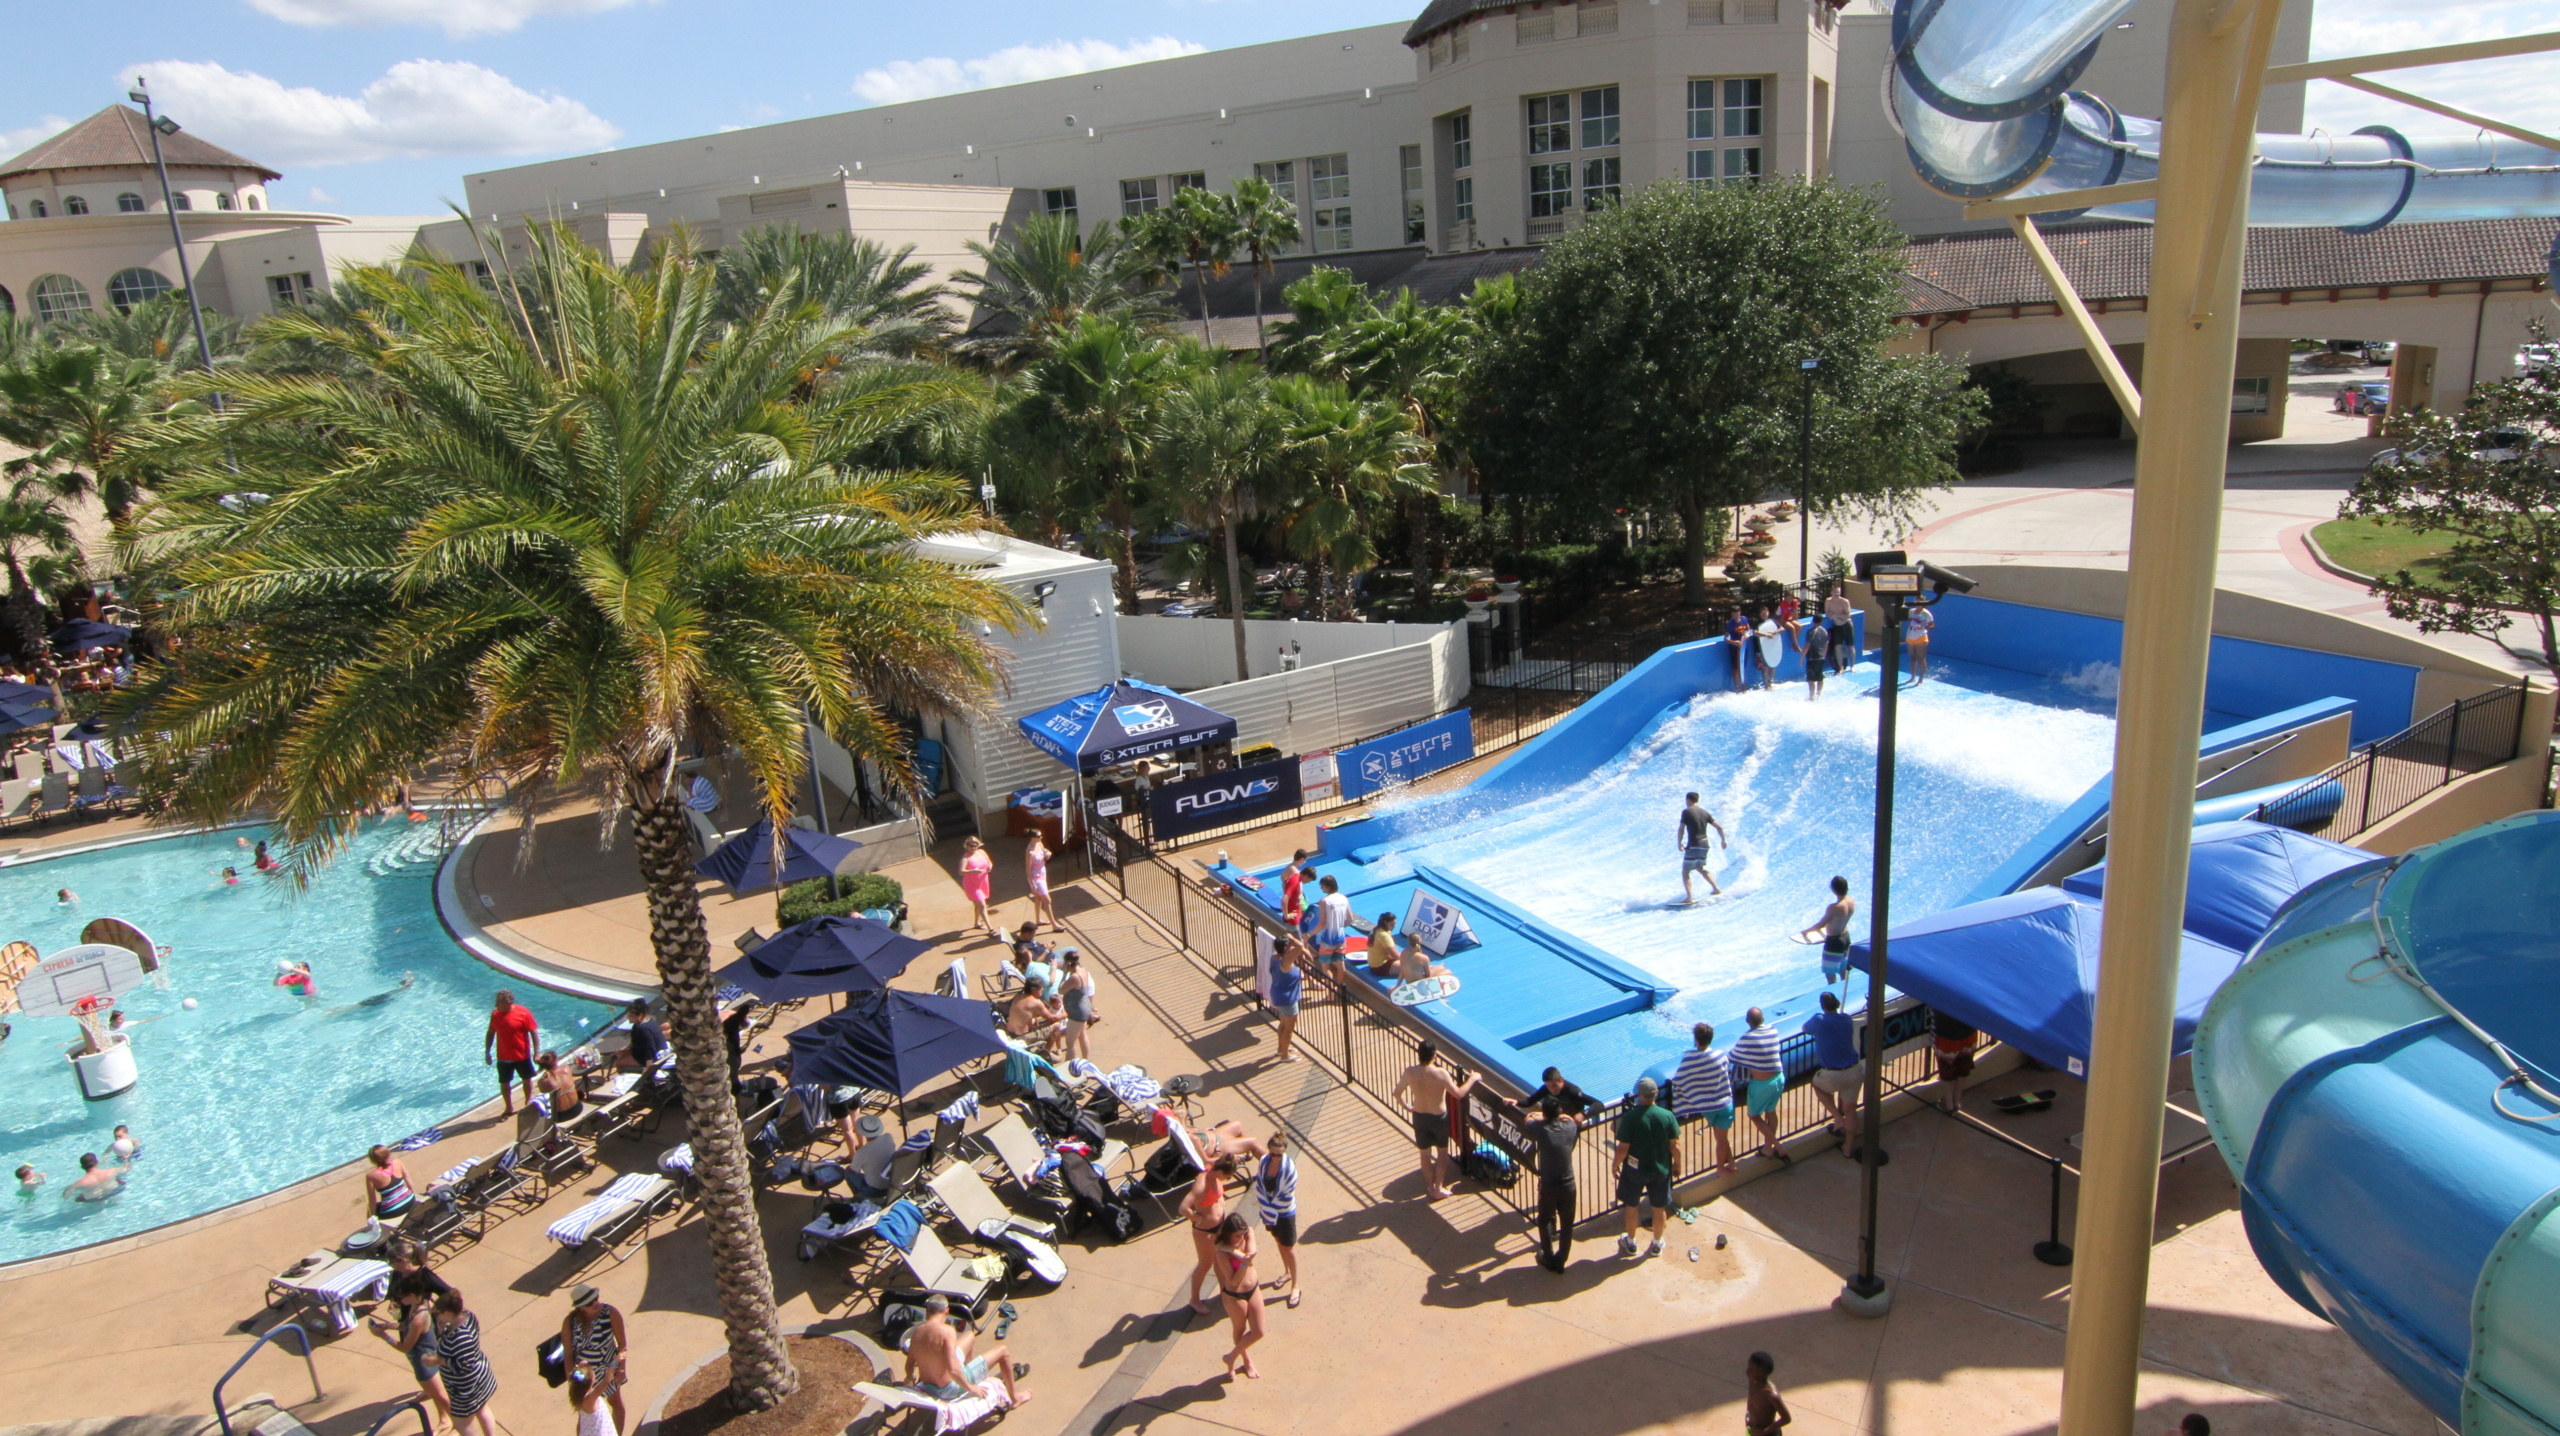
(1425, 1091)
(1032, 1014)
(939, 1359)
(97, 1181)
(1695, 823)
(1834, 927)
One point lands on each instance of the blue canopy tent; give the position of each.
(25, 705)
(85, 633)
(893, 1041)
(1126, 721)
(745, 862)
(822, 956)
(2238, 874)
(2024, 968)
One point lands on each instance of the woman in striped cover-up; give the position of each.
(468, 1382)
(1275, 1190)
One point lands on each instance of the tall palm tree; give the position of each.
(1086, 418)
(1266, 226)
(1205, 224)
(1413, 355)
(550, 553)
(1321, 302)
(1217, 435)
(85, 416)
(1038, 281)
(32, 530)
(1349, 456)
(885, 294)
(161, 329)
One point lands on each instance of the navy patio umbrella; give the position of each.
(1126, 720)
(745, 862)
(824, 955)
(82, 633)
(893, 1041)
(24, 705)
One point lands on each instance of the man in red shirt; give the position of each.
(509, 1044)
(1293, 887)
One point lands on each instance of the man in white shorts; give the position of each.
(1333, 931)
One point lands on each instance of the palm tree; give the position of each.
(888, 295)
(160, 329)
(32, 530)
(1216, 435)
(1039, 280)
(85, 416)
(1205, 225)
(1413, 355)
(1266, 226)
(1085, 420)
(556, 552)
(1321, 302)
(1349, 457)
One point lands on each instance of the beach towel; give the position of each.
(1133, 1086)
(427, 1138)
(625, 1193)
(900, 1223)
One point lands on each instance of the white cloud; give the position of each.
(457, 17)
(918, 79)
(2517, 90)
(322, 196)
(19, 141)
(418, 109)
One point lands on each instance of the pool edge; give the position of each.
(562, 974)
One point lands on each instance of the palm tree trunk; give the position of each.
(761, 1375)
(1235, 592)
(1200, 286)
(1260, 346)
(1418, 521)
(1320, 581)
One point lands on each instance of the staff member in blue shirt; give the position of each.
(1838, 1068)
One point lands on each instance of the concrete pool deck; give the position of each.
(1481, 1339)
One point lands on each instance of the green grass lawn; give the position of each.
(2380, 546)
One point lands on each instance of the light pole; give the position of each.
(1804, 483)
(1896, 583)
(160, 125)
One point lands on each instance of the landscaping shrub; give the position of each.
(860, 892)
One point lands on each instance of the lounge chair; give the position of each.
(330, 1285)
(544, 1151)
(438, 1217)
(621, 1211)
(93, 786)
(55, 795)
(931, 1264)
(948, 1416)
(1020, 1150)
(17, 798)
(973, 1204)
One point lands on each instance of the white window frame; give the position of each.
(1462, 199)
(1462, 140)
(1328, 178)
(1417, 222)
(1601, 181)
(1060, 201)
(1140, 196)
(1550, 189)
(1600, 117)
(1550, 122)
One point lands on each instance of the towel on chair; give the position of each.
(677, 1161)
(1133, 1086)
(901, 1223)
(626, 1192)
(960, 1111)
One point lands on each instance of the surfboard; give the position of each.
(1429, 989)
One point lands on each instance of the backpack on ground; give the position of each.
(1488, 1165)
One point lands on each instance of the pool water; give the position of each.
(1792, 780)
(254, 1089)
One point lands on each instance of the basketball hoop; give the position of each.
(90, 1013)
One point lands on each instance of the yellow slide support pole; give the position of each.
(2217, 62)
(2110, 368)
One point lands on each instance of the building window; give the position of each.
(1741, 109)
(1462, 195)
(1138, 196)
(221, 200)
(1415, 223)
(1702, 110)
(185, 200)
(1725, 109)
(286, 289)
(1462, 140)
(1194, 180)
(1457, 44)
(74, 204)
(36, 207)
(1444, 50)
(1282, 176)
(1600, 118)
(478, 269)
(1060, 202)
(129, 203)
(1599, 181)
(58, 296)
(1759, 12)
(1550, 124)
(1742, 163)
(255, 200)
(2254, 395)
(1535, 29)
(1329, 177)
(129, 287)
(1333, 229)
(1550, 190)
(1600, 19)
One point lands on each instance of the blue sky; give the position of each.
(380, 106)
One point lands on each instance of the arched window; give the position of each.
(58, 296)
(129, 287)
(184, 201)
(36, 207)
(221, 201)
(255, 200)
(74, 204)
(129, 203)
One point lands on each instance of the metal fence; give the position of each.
(2472, 735)
(1371, 1041)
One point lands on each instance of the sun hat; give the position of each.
(583, 1295)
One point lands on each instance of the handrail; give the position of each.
(301, 1337)
(2449, 718)
(426, 1427)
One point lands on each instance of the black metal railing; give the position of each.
(2468, 736)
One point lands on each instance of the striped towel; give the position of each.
(677, 1161)
(917, 1141)
(812, 1098)
(625, 1193)
(960, 1111)
(338, 1291)
(1081, 1068)
(455, 1173)
(1133, 1086)
(727, 993)
(427, 1138)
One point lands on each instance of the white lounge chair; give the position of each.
(932, 1264)
(331, 1285)
(17, 798)
(948, 1416)
(55, 794)
(623, 1210)
(973, 1204)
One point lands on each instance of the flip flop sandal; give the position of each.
(1293, 1299)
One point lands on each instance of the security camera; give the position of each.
(1945, 580)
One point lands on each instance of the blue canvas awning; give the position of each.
(824, 955)
(2238, 874)
(893, 1041)
(1125, 721)
(745, 862)
(2024, 968)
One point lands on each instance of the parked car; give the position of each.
(2363, 396)
(2495, 447)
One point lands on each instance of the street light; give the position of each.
(1804, 483)
(160, 125)
(1898, 586)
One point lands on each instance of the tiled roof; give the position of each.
(1433, 278)
(119, 135)
(1441, 14)
(1991, 268)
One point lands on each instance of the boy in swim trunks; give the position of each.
(1695, 823)
(1834, 927)
(1333, 930)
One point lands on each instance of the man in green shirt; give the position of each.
(1645, 1163)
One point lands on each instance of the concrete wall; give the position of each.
(1345, 701)
(1188, 653)
(2464, 804)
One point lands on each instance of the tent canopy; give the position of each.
(2024, 968)
(745, 862)
(893, 1041)
(2238, 874)
(1124, 721)
(821, 956)
(25, 705)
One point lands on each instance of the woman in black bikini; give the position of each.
(1242, 1291)
(566, 1099)
(1205, 1208)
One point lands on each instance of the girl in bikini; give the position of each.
(1241, 1291)
(1205, 1208)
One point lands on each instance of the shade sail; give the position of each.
(2024, 968)
(745, 862)
(893, 1041)
(2238, 874)
(1125, 721)
(824, 955)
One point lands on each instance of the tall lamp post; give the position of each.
(1897, 584)
(1804, 482)
(160, 125)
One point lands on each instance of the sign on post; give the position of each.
(1318, 779)
(1214, 800)
(1407, 754)
(1436, 925)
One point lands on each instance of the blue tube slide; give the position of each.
(1981, 92)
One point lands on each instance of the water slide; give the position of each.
(1981, 91)
(2380, 1075)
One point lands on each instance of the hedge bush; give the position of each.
(859, 892)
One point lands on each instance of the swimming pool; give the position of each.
(254, 1089)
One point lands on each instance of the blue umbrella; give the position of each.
(893, 1041)
(82, 633)
(824, 955)
(24, 705)
(1123, 721)
(745, 862)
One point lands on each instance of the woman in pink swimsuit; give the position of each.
(977, 882)
(1035, 868)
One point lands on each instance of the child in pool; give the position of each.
(265, 863)
(295, 977)
(125, 1148)
(231, 877)
(28, 1180)
(65, 897)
